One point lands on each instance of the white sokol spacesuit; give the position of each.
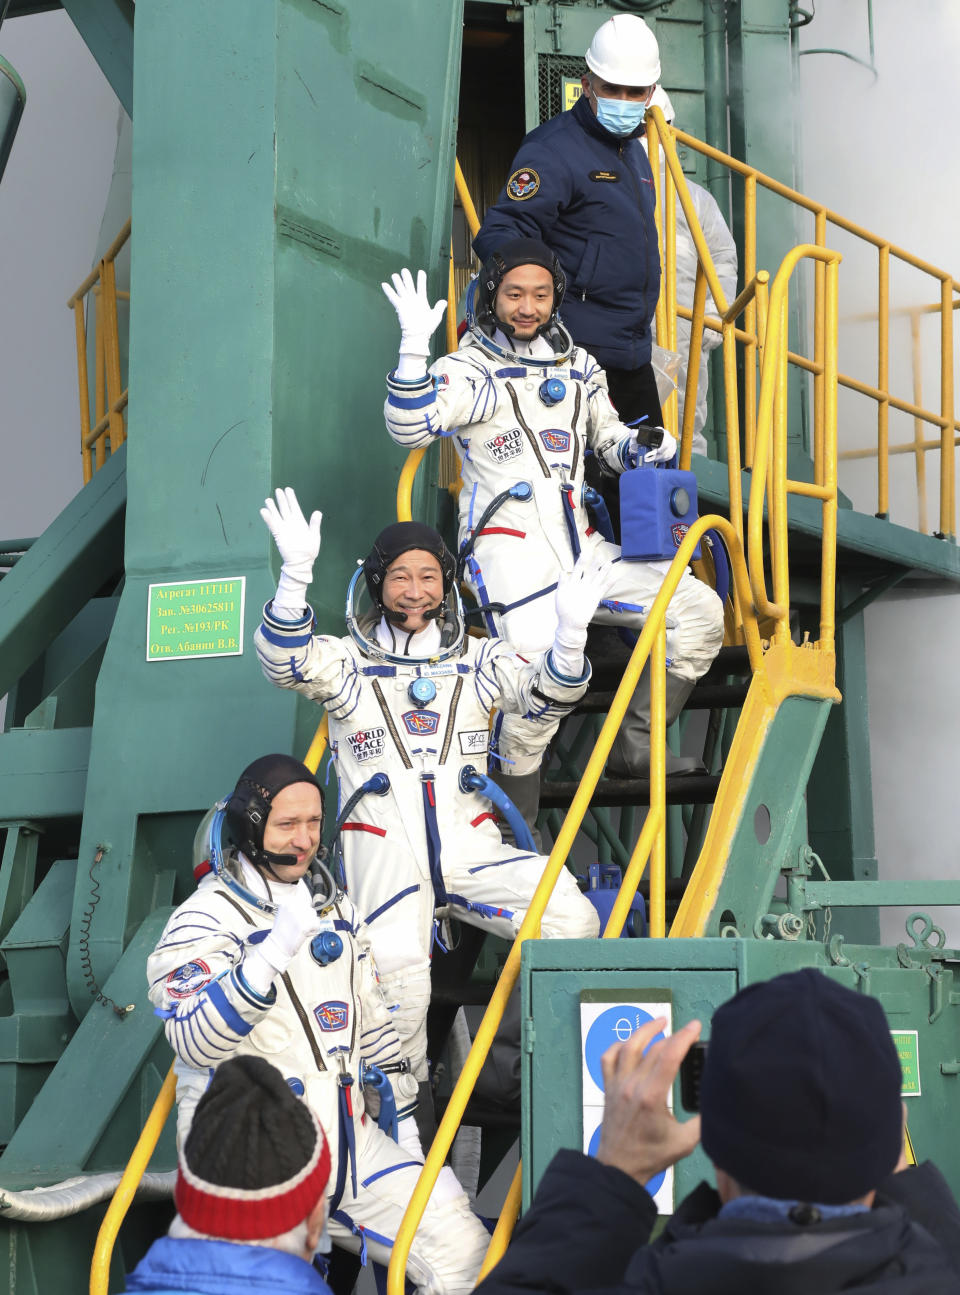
(522, 416)
(409, 713)
(322, 1021)
(723, 253)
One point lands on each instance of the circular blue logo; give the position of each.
(655, 1183)
(615, 1025)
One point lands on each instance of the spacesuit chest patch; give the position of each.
(366, 743)
(422, 723)
(557, 441)
(188, 979)
(332, 1015)
(508, 445)
(475, 742)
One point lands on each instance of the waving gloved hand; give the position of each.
(578, 593)
(662, 453)
(418, 320)
(298, 543)
(295, 922)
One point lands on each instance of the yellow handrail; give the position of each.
(943, 419)
(127, 1187)
(110, 400)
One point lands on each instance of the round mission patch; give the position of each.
(523, 184)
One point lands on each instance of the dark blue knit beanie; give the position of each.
(800, 1096)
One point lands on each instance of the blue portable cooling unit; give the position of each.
(658, 505)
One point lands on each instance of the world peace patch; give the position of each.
(188, 979)
(523, 184)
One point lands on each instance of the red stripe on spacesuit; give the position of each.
(590, 530)
(501, 530)
(364, 827)
(475, 822)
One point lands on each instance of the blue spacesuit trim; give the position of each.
(412, 402)
(391, 1169)
(510, 373)
(397, 381)
(428, 788)
(283, 623)
(380, 671)
(566, 494)
(498, 863)
(249, 993)
(529, 598)
(565, 678)
(378, 912)
(218, 999)
(615, 605)
(285, 640)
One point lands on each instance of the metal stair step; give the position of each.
(684, 789)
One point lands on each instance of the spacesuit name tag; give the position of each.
(555, 373)
(475, 742)
(437, 671)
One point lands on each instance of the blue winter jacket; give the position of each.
(589, 196)
(185, 1266)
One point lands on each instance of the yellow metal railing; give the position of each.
(150, 1136)
(110, 397)
(945, 288)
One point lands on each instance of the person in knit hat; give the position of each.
(251, 1192)
(802, 1117)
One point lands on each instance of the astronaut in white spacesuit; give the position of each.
(268, 958)
(723, 253)
(524, 407)
(408, 697)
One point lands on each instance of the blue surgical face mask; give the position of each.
(620, 116)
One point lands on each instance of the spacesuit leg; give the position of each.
(400, 938)
(696, 615)
(450, 1242)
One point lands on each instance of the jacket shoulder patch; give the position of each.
(523, 184)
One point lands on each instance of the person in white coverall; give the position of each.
(262, 962)
(723, 253)
(408, 697)
(524, 407)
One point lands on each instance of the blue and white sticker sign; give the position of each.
(601, 1025)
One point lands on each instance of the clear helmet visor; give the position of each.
(363, 616)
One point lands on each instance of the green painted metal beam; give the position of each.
(909, 893)
(107, 30)
(62, 571)
(859, 535)
(73, 1110)
(43, 772)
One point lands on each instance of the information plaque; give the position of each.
(195, 619)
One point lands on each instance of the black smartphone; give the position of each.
(691, 1069)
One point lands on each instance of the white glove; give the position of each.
(578, 593)
(418, 320)
(296, 921)
(408, 1138)
(298, 542)
(662, 454)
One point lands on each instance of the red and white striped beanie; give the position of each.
(255, 1161)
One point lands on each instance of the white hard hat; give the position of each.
(624, 51)
(660, 99)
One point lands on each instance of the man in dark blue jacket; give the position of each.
(582, 184)
(801, 1117)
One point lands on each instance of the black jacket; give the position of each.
(590, 198)
(582, 1232)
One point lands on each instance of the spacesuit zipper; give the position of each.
(578, 395)
(529, 433)
(304, 1020)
